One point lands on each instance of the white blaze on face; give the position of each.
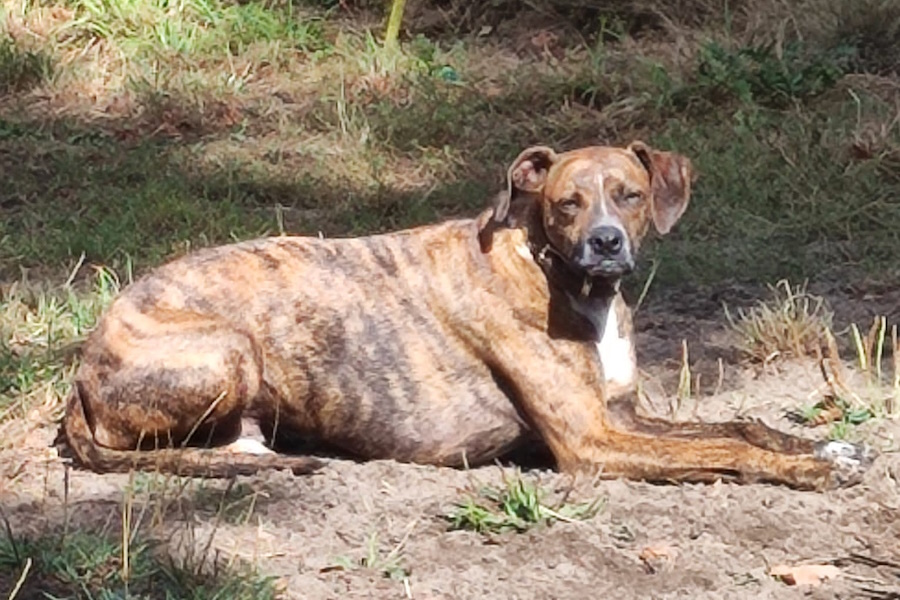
(604, 209)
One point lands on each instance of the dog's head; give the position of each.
(596, 203)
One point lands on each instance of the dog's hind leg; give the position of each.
(145, 398)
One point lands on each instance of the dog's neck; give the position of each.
(594, 299)
(611, 319)
(572, 281)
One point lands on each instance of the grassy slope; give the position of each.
(133, 130)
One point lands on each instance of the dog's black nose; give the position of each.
(607, 241)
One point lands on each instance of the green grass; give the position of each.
(147, 30)
(152, 550)
(39, 331)
(21, 69)
(390, 564)
(779, 196)
(110, 203)
(93, 565)
(770, 135)
(848, 417)
(763, 75)
(516, 505)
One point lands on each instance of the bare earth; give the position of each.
(710, 541)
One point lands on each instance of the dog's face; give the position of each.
(597, 203)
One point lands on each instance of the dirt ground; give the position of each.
(716, 541)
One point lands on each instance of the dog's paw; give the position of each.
(849, 461)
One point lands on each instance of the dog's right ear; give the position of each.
(528, 173)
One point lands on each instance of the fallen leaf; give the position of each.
(657, 556)
(804, 574)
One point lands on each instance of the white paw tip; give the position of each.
(248, 446)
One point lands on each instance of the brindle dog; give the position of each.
(447, 344)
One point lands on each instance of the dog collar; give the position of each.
(568, 276)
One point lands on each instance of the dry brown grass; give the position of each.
(790, 323)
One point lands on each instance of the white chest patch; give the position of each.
(524, 251)
(616, 353)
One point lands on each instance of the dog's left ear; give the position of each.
(670, 184)
(528, 173)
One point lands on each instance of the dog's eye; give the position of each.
(569, 205)
(632, 198)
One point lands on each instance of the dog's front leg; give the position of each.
(640, 456)
(624, 416)
(565, 400)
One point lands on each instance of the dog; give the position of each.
(448, 344)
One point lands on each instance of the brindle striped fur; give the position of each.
(443, 344)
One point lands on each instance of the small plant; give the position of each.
(389, 565)
(235, 504)
(870, 349)
(833, 410)
(792, 322)
(869, 355)
(842, 408)
(760, 74)
(517, 505)
(838, 430)
(812, 414)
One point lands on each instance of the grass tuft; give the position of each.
(135, 130)
(389, 564)
(92, 565)
(790, 323)
(517, 505)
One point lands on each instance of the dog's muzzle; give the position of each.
(606, 252)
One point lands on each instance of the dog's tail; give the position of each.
(189, 462)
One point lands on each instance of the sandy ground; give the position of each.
(715, 541)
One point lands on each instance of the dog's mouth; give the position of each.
(609, 268)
